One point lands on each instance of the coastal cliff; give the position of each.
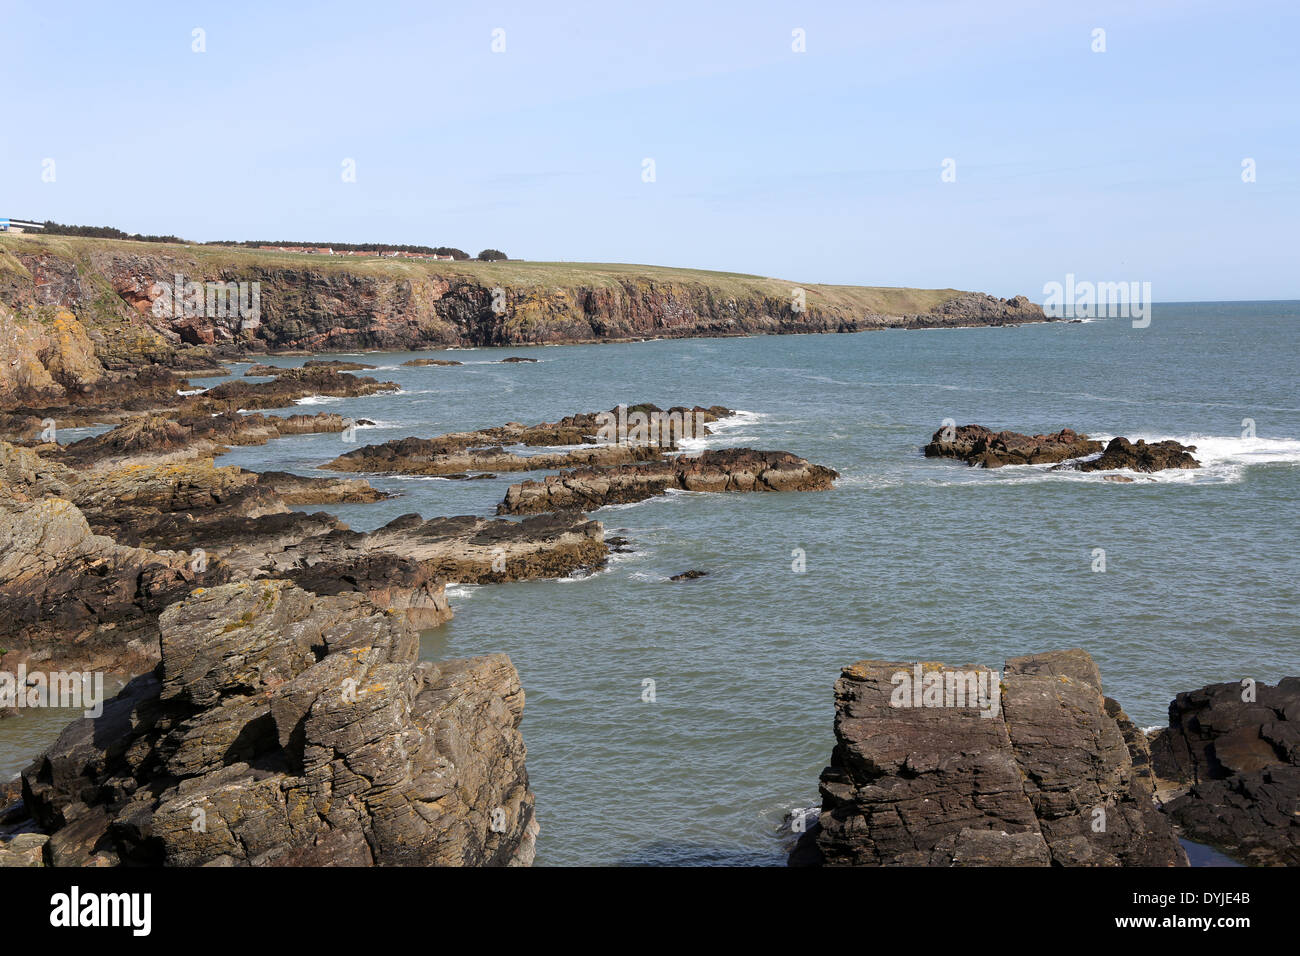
(74, 312)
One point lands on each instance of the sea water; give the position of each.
(907, 558)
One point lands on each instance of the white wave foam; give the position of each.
(1235, 450)
(584, 576)
(461, 591)
(620, 557)
(669, 495)
(317, 400)
(723, 430)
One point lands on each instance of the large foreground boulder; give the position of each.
(1035, 769)
(1235, 747)
(281, 728)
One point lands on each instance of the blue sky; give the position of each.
(821, 166)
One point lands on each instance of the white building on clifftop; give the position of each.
(17, 226)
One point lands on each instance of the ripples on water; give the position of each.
(906, 558)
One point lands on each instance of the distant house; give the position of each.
(17, 226)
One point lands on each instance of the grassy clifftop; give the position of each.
(884, 300)
(78, 310)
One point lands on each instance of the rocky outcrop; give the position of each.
(1038, 770)
(434, 456)
(690, 575)
(225, 521)
(1233, 750)
(75, 600)
(297, 490)
(283, 390)
(982, 447)
(43, 360)
(241, 522)
(285, 729)
(971, 306)
(337, 365)
(1121, 453)
(466, 549)
(428, 361)
(614, 441)
(675, 423)
(151, 439)
(728, 469)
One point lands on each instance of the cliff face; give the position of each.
(106, 295)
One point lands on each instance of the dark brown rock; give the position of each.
(76, 600)
(983, 448)
(1139, 456)
(287, 387)
(458, 453)
(690, 575)
(729, 469)
(1041, 770)
(1240, 762)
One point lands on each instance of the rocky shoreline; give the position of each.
(133, 552)
(277, 712)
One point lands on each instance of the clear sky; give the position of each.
(817, 166)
